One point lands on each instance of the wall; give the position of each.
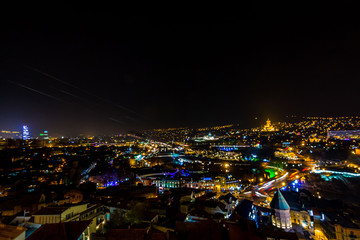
(41, 219)
(344, 233)
(74, 210)
(298, 217)
(20, 237)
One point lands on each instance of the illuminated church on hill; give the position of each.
(268, 127)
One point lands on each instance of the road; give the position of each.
(261, 191)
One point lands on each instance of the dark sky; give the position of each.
(101, 72)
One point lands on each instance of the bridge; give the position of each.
(229, 147)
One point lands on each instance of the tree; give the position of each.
(136, 213)
(117, 218)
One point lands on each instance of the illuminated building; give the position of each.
(282, 153)
(280, 211)
(268, 127)
(25, 134)
(44, 135)
(9, 134)
(344, 134)
(168, 183)
(95, 215)
(208, 137)
(357, 151)
(337, 226)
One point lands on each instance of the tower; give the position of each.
(268, 123)
(45, 135)
(25, 132)
(268, 127)
(280, 211)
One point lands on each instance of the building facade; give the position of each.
(280, 211)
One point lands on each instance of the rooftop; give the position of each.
(10, 232)
(51, 211)
(63, 231)
(123, 234)
(279, 202)
(337, 218)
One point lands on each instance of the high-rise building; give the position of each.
(44, 135)
(25, 134)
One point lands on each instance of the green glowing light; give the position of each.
(271, 171)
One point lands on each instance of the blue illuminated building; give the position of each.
(25, 134)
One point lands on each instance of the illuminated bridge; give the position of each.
(229, 147)
(337, 172)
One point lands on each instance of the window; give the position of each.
(69, 215)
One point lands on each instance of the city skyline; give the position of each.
(99, 73)
(285, 179)
(39, 133)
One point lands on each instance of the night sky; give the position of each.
(100, 72)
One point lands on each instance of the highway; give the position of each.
(261, 191)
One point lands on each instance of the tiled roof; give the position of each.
(227, 197)
(26, 200)
(206, 230)
(124, 234)
(10, 232)
(338, 218)
(148, 216)
(244, 208)
(63, 231)
(246, 232)
(51, 211)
